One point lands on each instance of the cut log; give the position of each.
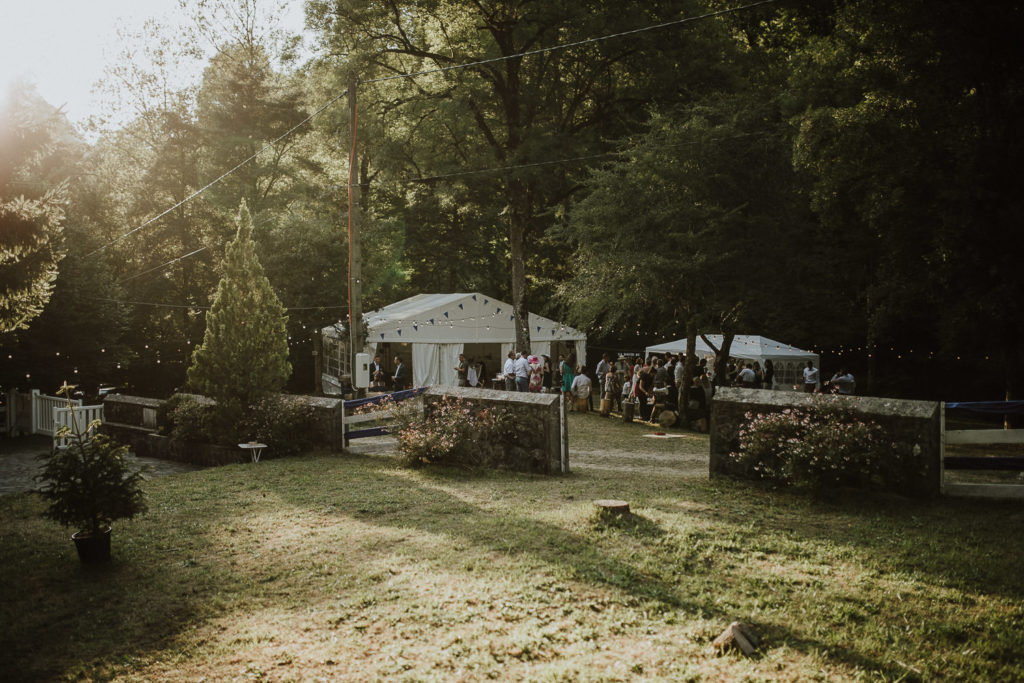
(740, 636)
(613, 508)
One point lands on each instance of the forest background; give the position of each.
(840, 175)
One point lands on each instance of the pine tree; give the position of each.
(244, 355)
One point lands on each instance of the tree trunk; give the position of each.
(519, 217)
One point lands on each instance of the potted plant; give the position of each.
(89, 484)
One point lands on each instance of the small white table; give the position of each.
(254, 449)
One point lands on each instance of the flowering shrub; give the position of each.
(822, 447)
(450, 432)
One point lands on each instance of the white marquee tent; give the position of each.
(788, 360)
(437, 328)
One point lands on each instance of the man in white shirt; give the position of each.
(810, 378)
(509, 372)
(843, 382)
(746, 377)
(581, 389)
(602, 366)
(522, 372)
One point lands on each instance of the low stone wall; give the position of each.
(917, 423)
(136, 411)
(538, 446)
(203, 454)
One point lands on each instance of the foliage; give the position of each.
(31, 206)
(89, 484)
(451, 432)
(183, 417)
(285, 423)
(819, 448)
(244, 355)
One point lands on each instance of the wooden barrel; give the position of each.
(627, 411)
(582, 405)
(606, 407)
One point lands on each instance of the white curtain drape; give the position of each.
(581, 353)
(540, 348)
(447, 359)
(424, 364)
(505, 348)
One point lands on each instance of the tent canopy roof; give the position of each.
(460, 317)
(745, 346)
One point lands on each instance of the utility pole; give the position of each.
(355, 255)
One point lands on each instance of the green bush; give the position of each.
(186, 419)
(286, 424)
(819, 448)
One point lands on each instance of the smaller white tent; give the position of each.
(789, 361)
(437, 328)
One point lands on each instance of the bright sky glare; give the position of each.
(62, 46)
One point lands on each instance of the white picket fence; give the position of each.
(78, 419)
(43, 408)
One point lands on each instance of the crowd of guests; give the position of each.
(643, 383)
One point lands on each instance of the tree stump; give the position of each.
(612, 508)
(740, 636)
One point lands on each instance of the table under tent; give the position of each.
(429, 331)
(789, 361)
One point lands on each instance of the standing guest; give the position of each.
(758, 375)
(660, 373)
(580, 389)
(567, 378)
(509, 372)
(769, 374)
(626, 395)
(677, 375)
(611, 390)
(746, 377)
(810, 378)
(522, 370)
(843, 382)
(536, 374)
(547, 375)
(462, 371)
(603, 365)
(645, 391)
(401, 378)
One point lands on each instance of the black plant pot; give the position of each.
(92, 548)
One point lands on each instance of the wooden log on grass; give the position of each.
(740, 636)
(612, 508)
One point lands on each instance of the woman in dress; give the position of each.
(567, 377)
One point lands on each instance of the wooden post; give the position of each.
(563, 419)
(355, 256)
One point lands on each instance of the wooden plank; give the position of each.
(1010, 463)
(984, 436)
(996, 491)
(368, 417)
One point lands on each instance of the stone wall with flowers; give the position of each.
(531, 435)
(904, 436)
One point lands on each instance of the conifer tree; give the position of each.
(244, 354)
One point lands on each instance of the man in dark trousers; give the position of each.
(401, 375)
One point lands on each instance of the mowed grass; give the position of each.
(331, 567)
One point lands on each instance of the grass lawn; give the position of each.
(330, 567)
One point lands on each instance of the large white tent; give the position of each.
(789, 361)
(438, 327)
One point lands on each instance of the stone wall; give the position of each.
(134, 411)
(538, 446)
(916, 423)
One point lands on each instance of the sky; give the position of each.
(62, 46)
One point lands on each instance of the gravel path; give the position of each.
(19, 465)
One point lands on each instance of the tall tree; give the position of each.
(32, 193)
(489, 107)
(244, 354)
